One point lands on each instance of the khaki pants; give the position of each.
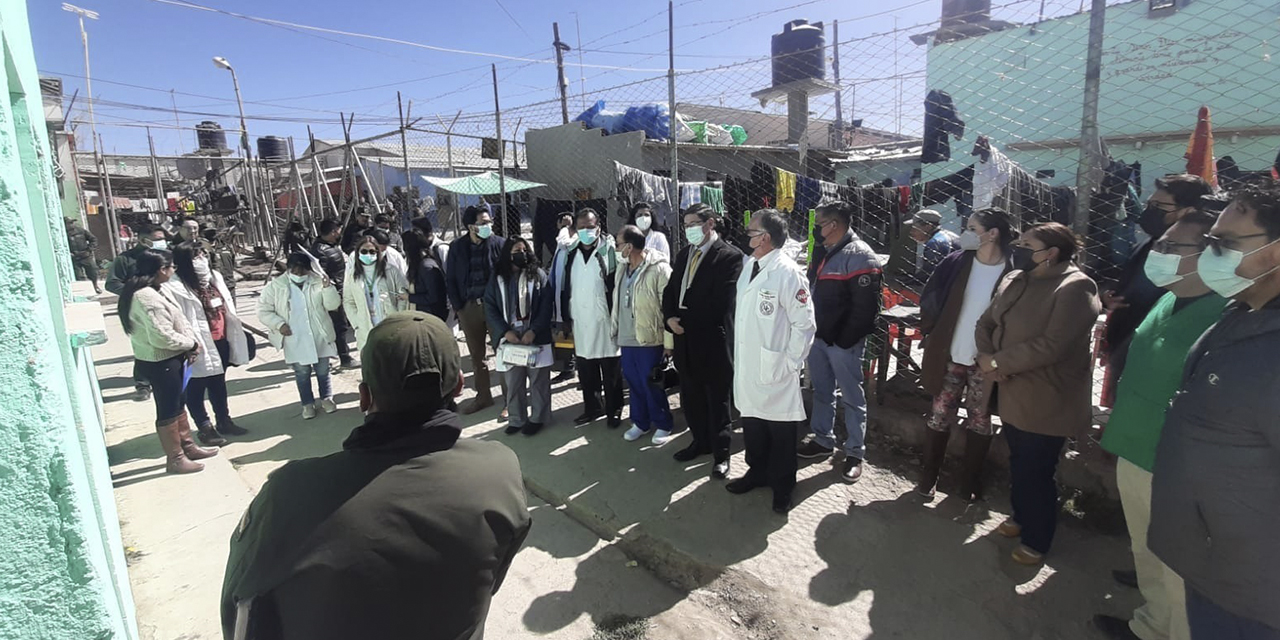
(1164, 616)
(474, 326)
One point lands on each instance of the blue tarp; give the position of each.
(653, 119)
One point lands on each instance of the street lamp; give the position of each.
(112, 229)
(221, 63)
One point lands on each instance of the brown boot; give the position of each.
(175, 460)
(189, 447)
(935, 451)
(976, 447)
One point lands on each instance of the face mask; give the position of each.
(694, 235)
(587, 236)
(160, 245)
(1152, 221)
(1162, 268)
(970, 241)
(1024, 258)
(484, 231)
(1219, 271)
(368, 258)
(520, 260)
(297, 279)
(644, 222)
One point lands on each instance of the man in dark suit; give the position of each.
(697, 306)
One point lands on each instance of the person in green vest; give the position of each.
(1151, 378)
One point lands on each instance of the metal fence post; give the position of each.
(1090, 162)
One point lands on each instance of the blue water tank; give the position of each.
(273, 149)
(210, 136)
(799, 52)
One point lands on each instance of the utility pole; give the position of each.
(404, 149)
(1090, 162)
(161, 202)
(561, 83)
(250, 179)
(835, 68)
(113, 228)
(674, 197)
(497, 116)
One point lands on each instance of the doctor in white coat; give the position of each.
(583, 273)
(773, 331)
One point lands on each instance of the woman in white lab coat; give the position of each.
(773, 331)
(373, 289)
(295, 309)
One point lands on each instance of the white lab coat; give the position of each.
(209, 361)
(389, 289)
(773, 331)
(588, 302)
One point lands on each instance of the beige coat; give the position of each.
(650, 281)
(160, 331)
(1039, 328)
(209, 362)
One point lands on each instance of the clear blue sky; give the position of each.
(145, 43)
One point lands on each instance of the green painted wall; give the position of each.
(61, 562)
(1026, 85)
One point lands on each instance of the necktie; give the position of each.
(688, 276)
(693, 262)
(755, 271)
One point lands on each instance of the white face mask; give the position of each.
(1162, 268)
(1219, 271)
(201, 267)
(484, 231)
(160, 245)
(297, 279)
(970, 241)
(644, 222)
(694, 235)
(588, 236)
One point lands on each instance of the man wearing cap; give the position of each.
(405, 533)
(933, 243)
(358, 228)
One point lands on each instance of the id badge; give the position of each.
(215, 303)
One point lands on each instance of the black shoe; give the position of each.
(141, 394)
(564, 376)
(741, 485)
(209, 436)
(688, 453)
(852, 470)
(229, 428)
(720, 471)
(1126, 578)
(1114, 627)
(587, 417)
(348, 363)
(511, 428)
(531, 428)
(813, 450)
(615, 421)
(781, 504)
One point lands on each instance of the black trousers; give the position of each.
(165, 377)
(705, 399)
(88, 265)
(340, 328)
(597, 375)
(771, 453)
(1033, 461)
(215, 387)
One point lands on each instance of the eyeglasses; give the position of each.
(823, 224)
(1166, 246)
(1218, 244)
(1164, 206)
(755, 233)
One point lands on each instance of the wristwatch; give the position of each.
(994, 364)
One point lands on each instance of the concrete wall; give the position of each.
(570, 157)
(62, 571)
(1025, 85)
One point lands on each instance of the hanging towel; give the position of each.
(940, 121)
(786, 185)
(714, 198)
(690, 194)
(989, 178)
(830, 192)
(762, 192)
(808, 194)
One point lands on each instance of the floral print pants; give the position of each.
(962, 382)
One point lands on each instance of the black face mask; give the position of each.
(520, 260)
(1152, 221)
(1024, 258)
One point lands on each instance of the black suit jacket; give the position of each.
(707, 343)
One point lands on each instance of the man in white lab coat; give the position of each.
(583, 273)
(773, 331)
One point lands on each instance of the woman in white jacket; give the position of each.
(210, 310)
(373, 290)
(295, 309)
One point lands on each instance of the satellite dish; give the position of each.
(191, 168)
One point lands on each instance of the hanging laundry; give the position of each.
(690, 194)
(655, 190)
(808, 194)
(940, 121)
(737, 197)
(990, 175)
(904, 199)
(830, 192)
(763, 191)
(714, 198)
(786, 185)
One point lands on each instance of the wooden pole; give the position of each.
(502, 178)
(404, 149)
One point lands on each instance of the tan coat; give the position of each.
(160, 331)
(1039, 329)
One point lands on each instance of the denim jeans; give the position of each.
(829, 366)
(302, 375)
(1033, 461)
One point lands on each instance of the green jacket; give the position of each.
(1152, 375)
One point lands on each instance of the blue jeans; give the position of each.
(302, 375)
(1211, 622)
(829, 366)
(649, 406)
(1033, 461)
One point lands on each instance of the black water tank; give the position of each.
(273, 149)
(799, 53)
(210, 136)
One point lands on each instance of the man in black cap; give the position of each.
(406, 533)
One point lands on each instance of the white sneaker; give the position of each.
(328, 405)
(661, 437)
(308, 411)
(633, 434)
